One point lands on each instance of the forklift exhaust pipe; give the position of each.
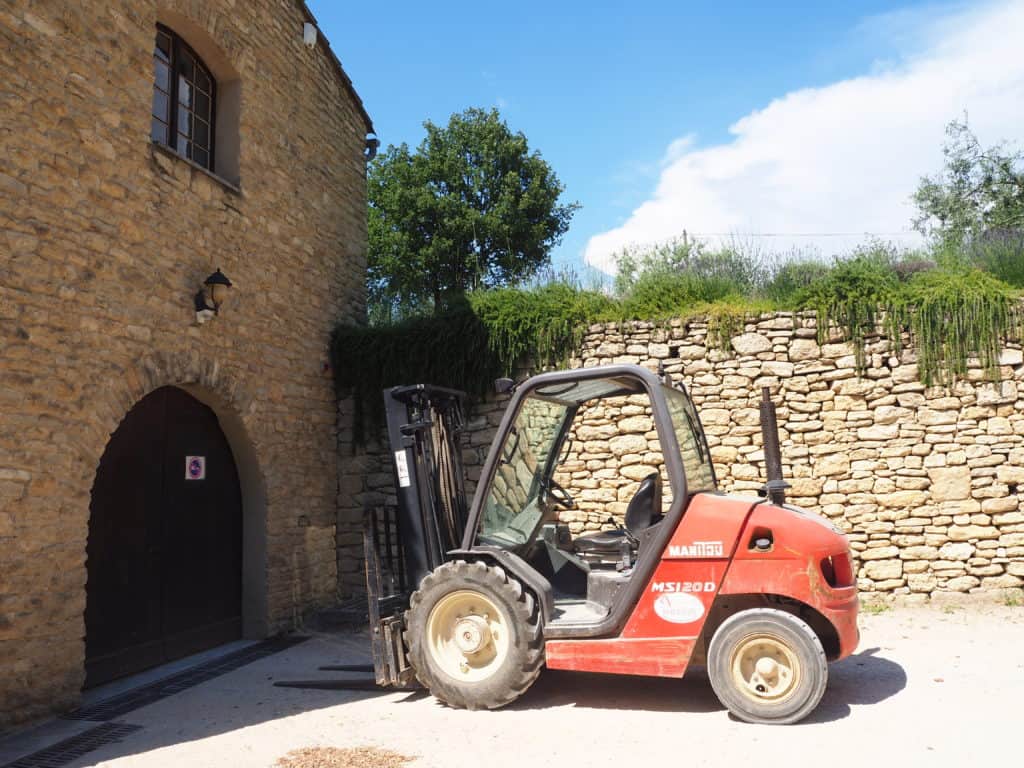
(775, 488)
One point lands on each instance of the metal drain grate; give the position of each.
(139, 697)
(64, 752)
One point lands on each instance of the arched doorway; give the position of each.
(164, 555)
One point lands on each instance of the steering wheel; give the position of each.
(560, 496)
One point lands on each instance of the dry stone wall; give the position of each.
(927, 483)
(924, 482)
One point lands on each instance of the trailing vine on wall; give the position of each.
(957, 315)
(467, 347)
(950, 315)
(853, 297)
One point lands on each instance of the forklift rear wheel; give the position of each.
(474, 636)
(767, 666)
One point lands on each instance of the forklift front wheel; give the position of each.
(767, 666)
(474, 635)
(468, 635)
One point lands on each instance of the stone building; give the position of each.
(167, 485)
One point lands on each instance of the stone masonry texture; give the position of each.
(105, 238)
(928, 484)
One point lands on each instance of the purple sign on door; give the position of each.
(195, 467)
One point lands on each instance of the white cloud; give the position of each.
(846, 157)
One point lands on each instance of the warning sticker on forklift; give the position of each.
(402, 465)
(679, 607)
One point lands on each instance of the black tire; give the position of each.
(523, 658)
(745, 628)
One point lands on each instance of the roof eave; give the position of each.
(345, 80)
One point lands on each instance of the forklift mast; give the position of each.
(403, 545)
(424, 424)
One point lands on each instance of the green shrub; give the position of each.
(791, 280)
(467, 347)
(544, 323)
(740, 268)
(850, 296)
(953, 312)
(656, 295)
(448, 350)
(1001, 254)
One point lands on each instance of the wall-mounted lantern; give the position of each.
(210, 297)
(370, 147)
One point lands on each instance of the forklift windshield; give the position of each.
(514, 507)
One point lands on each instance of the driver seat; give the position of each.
(643, 511)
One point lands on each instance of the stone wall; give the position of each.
(927, 484)
(105, 239)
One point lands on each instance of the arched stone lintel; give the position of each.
(201, 33)
(208, 382)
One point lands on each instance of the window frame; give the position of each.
(177, 47)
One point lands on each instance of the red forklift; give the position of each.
(473, 600)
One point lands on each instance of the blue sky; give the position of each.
(633, 107)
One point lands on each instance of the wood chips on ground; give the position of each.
(333, 757)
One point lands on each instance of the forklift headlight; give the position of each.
(837, 570)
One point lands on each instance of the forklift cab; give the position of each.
(527, 488)
(485, 596)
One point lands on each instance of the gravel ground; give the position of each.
(928, 686)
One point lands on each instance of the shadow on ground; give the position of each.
(239, 699)
(597, 691)
(248, 697)
(864, 678)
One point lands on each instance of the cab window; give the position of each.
(513, 506)
(700, 475)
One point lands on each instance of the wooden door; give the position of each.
(165, 539)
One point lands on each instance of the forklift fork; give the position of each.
(387, 599)
(401, 546)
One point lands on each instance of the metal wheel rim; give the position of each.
(765, 669)
(468, 635)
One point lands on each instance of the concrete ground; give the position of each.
(928, 686)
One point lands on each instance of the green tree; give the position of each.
(471, 207)
(730, 269)
(633, 262)
(979, 190)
